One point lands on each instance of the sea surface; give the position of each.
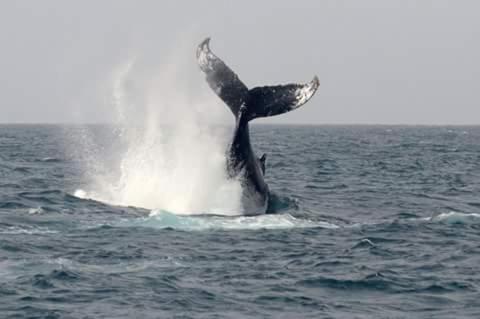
(365, 222)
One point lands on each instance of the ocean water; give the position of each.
(365, 222)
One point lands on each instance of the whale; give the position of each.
(246, 105)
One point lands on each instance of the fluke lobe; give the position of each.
(246, 105)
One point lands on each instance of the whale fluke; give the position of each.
(242, 163)
(257, 102)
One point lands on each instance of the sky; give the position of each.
(379, 62)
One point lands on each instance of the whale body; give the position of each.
(246, 105)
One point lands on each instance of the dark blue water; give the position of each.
(368, 222)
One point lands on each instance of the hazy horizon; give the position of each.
(379, 62)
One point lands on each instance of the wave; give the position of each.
(162, 220)
(408, 220)
(455, 218)
(49, 160)
(115, 267)
(280, 217)
(28, 230)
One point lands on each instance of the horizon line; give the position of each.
(253, 123)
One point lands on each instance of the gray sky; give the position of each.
(390, 62)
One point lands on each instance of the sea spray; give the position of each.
(171, 153)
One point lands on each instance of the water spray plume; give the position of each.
(172, 155)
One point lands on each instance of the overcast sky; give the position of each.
(390, 62)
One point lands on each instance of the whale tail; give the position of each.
(258, 102)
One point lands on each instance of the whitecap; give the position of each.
(456, 218)
(35, 211)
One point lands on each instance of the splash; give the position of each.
(160, 219)
(170, 153)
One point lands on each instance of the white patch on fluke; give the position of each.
(205, 57)
(306, 92)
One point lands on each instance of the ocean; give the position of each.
(364, 222)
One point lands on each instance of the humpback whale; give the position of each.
(246, 105)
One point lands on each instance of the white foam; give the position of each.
(35, 211)
(80, 193)
(161, 219)
(456, 218)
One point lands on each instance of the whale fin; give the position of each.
(223, 81)
(262, 162)
(273, 100)
(257, 102)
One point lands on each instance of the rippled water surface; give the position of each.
(366, 222)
